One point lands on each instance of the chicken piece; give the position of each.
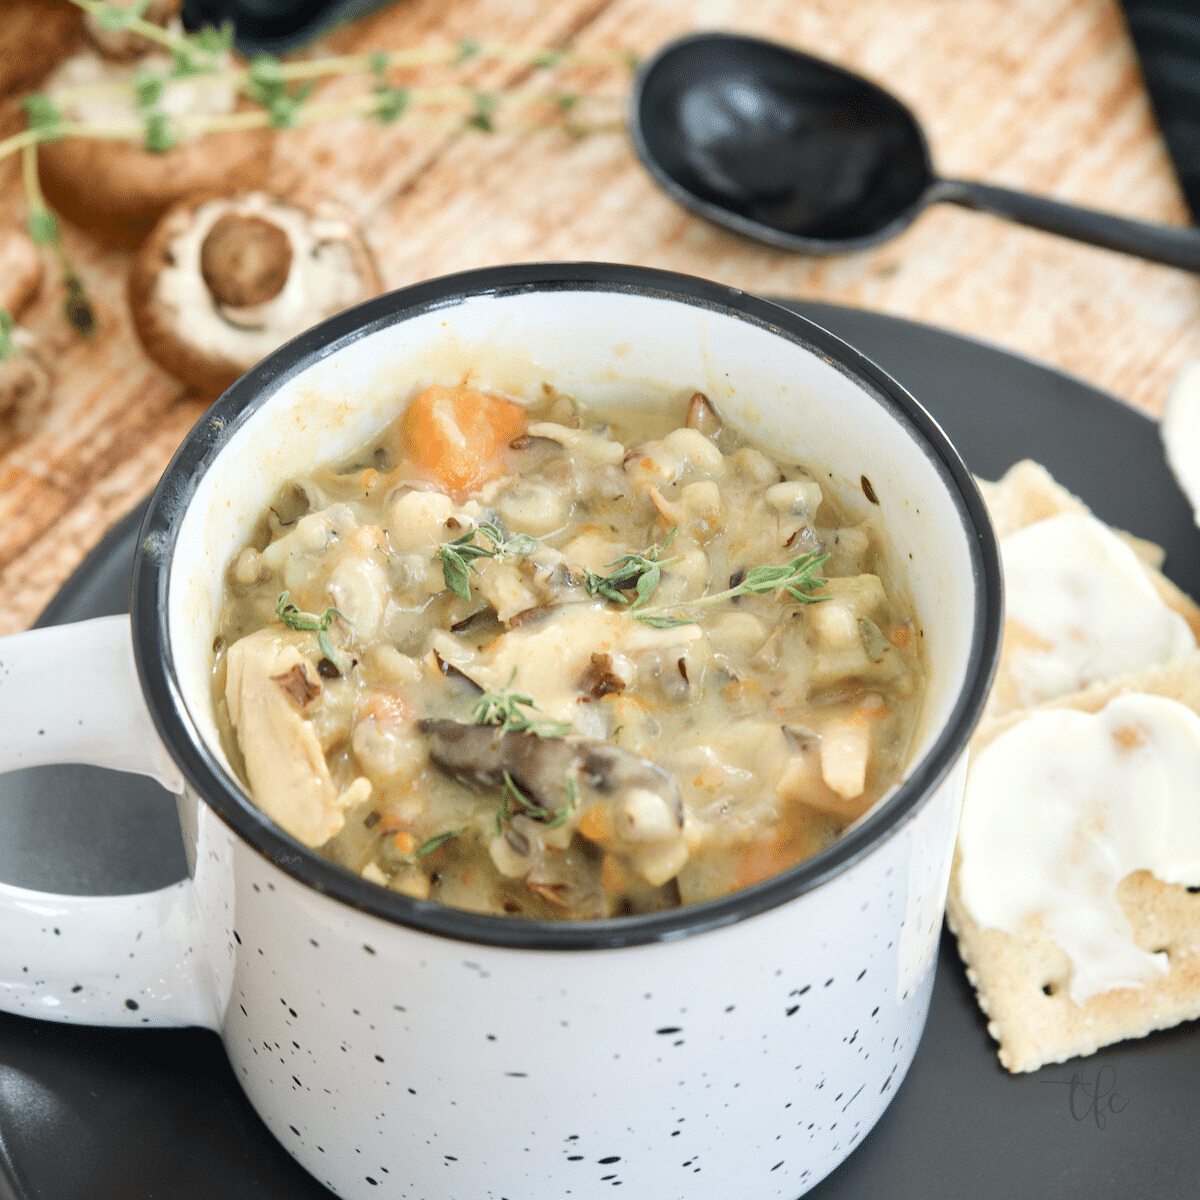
(845, 750)
(269, 687)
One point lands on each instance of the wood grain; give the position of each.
(1043, 95)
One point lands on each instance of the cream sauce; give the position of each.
(778, 722)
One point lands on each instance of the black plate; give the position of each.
(88, 1114)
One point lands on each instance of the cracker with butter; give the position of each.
(1080, 836)
(1074, 891)
(1084, 603)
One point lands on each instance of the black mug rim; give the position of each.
(203, 771)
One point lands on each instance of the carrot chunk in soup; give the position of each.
(458, 434)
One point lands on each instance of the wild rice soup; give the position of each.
(525, 660)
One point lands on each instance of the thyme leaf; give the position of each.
(43, 227)
(214, 39)
(798, 578)
(503, 708)
(113, 19)
(160, 137)
(269, 87)
(481, 118)
(149, 88)
(8, 348)
(390, 103)
(515, 803)
(293, 618)
(184, 64)
(437, 841)
(457, 556)
(40, 112)
(640, 572)
(519, 543)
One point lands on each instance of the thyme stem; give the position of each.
(138, 25)
(43, 228)
(798, 577)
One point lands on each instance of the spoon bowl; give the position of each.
(793, 151)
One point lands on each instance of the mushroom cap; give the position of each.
(34, 35)
(118, 190)
(188, 330)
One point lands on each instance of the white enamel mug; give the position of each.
(737, 1048)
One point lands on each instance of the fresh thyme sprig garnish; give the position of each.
(639, 572)
(457, 557)
(503, 708)
(515, 803)
(293, 618)
(798, 578)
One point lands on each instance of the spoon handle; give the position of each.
(1173, 245)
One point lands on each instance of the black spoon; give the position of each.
(796, 152)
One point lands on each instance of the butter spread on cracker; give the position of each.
(1086, 610)
(1065, 804)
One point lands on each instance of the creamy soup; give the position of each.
(532, 660)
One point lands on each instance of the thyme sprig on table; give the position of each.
(43, 229)
(457, 557)
(293, 618)
(282, 91)
(798, 578)
(504, 709)
(640, 573)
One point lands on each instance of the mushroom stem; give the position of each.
(245, 260)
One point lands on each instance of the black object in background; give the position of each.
(1166, 34)
(275, 26)
(799, 153)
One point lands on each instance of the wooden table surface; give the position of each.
(1042, 95)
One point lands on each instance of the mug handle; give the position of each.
(70, 694)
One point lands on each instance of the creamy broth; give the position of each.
(477, 665)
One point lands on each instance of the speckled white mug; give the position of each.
(737, 1048)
